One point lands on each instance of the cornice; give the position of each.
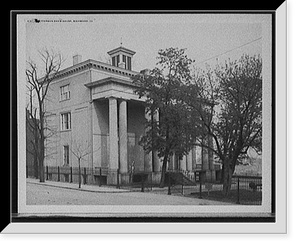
(88, 64)
(110, 80)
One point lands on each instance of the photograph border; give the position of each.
(108, 217)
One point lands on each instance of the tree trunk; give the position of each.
(36, 166)
(228, 170)
(79, 174)
(222, 174)
(41, 169)
(41, 142)
(163, 172)
(227, 177)
(41, 160)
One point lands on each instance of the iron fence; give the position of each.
(71, 174)
(246, 190)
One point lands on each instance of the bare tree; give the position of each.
(38, 85)
(31, 130)
(80, 150)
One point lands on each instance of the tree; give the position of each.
(38, 85)
(169, 133)
(80, 151)
(228, 101)
(32, 135)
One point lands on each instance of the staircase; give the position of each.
(178, 178)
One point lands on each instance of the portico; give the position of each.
(118, 123)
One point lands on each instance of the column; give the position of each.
(154, 161)
(148, 158)
(157, 161)
(182, 163)
(189, 161)
(210, 154)
(193, 158)
(123, 136)
(113, 134)
(205, 160)
(211, 159)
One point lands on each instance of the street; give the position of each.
(42, 194)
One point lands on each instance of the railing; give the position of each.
(71, 174)
(245, 190)
(248, 189)
(175, 182)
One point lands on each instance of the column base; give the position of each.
(112, 178)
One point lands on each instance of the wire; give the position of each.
(223, 53)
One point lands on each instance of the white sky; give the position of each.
(204, 35)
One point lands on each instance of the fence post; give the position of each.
(100, 177)
(169, 184)
(84, 175)
(200, 187)
(58, 174)
(71, 175)
(118, 182)
(238, 191)
(142, 188)
(47, 173)
(182, 185)
(151, 180)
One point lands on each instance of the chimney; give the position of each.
(76, 59)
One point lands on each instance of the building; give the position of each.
(93, 110)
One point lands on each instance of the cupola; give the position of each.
(121, 57)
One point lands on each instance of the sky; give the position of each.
(206, 37)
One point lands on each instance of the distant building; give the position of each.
(92, 106)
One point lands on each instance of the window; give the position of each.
(66, 155)
(118, 60)
(127, 61)
(128, 64)
(64, 92)
(66, 121)
(115, 60)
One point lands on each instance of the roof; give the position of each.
(121, 48)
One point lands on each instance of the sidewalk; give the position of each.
(156, 193)
(75, 186)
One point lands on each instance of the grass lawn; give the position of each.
(247, 197)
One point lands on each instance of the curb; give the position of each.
(78, 189)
